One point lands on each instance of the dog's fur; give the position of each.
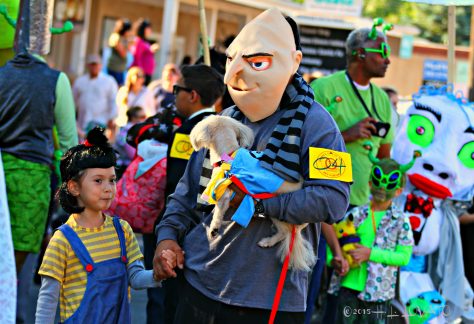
(222, 135)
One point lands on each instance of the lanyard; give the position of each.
(373, 220)
(362, 100)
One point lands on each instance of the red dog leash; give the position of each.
(281, 281)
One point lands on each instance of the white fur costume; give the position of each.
(7, 259)
(439, 125)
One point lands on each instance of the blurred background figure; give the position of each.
(126, 152)
(119, 43)
(393, 96)
(467, 238)
(94, 96)
(143, 51)
(134, 93)
(185, 61)
(163, 89)
(218, 62)
(310, 77)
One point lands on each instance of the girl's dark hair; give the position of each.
(122, 26)
(140, 26)
(96, 152)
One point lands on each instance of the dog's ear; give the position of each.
(200, 136)
(244, 134)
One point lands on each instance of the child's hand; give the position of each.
(360, 253)
(170, 258)
(340, 265)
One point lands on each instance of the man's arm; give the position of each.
(65, 114)
(180, 214)
(319, 200)
(384, 151)
(362, 129)
(179, 218)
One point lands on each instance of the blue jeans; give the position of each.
(118, 76)
(315, 282)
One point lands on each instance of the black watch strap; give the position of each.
(259, 209)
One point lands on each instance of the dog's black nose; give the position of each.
(214, 232)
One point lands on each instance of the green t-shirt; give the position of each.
(348, 113)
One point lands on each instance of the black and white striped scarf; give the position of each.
(282, 153)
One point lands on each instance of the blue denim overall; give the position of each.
(105, 300)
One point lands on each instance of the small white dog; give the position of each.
(224, 135)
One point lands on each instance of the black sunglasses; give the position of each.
(178, 88)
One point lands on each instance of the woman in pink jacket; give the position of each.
(143, 51)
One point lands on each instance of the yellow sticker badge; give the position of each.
(329, 164)
(181, 148)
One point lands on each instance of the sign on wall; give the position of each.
(336, 7)
(72, 10)
(406, 47)
(323, 49)
(435, 72)
(330, 8)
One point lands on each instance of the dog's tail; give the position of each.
(302, 256)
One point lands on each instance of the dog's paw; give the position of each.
(266, 242)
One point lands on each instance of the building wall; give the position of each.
(406, 75)
(229, 22)
(118, 9)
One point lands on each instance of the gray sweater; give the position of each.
(234, 269)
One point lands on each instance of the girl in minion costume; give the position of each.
(93, 258)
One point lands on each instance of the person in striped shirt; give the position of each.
(93, 258)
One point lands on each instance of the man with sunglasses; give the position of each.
(386, 243)
(364, 105)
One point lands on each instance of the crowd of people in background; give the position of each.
(147, 124)
(106, 92)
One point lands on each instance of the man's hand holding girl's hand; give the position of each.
(168, 255)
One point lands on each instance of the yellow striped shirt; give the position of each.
(61, 263)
